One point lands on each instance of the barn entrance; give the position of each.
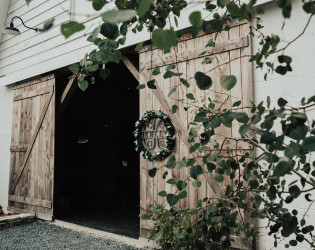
(96, 166)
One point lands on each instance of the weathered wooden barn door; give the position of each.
(32, 148)
(230, 56)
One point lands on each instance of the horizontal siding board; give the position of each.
(16, 5)
(40, 43)
(56, 49)
(29, 17)
(22, 40)
(34, 40)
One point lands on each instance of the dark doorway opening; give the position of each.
(96, 167)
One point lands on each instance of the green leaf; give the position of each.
(171, 92)
(164, 39)
(94, 34)
(183, 81)
(292, 150)
(308, 144)
(98, 4)
(267, 137)
(210, 43)
(83, 85)
(118, 16)
(28, 2)
(182, 195)
(69, 28)
(172, 199)
(123, 29)
(156, 71)
(140, 86)
(294, 191)
(196, 184)
(237, 103)
(139, 47)
(190, 96)
(109, 30)
(169, 74)
(104, 73)
(174, 108)
(309, 7)
(152, 172)
(171, 181)
(194, 147)
(207, 60)
(171, 162)
(195, 171)
(162, 193)
(181, 185)
(144, 6)
(195, 18)
(228, 82)
(244, 129)
(216, 219)
(282, 102)
(218, 177)
(74, 68)
(47, 26)
(200, 117)
(151, 85)
(204, 82)
(283, 168)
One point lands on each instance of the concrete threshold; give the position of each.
(140, 243)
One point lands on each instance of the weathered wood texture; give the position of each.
(32, 148)
(227, 59)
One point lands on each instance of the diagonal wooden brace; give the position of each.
(179, 126)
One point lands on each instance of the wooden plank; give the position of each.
(42, 116)
(68, 87)
(18, 148)
(19, 211)
(31, 201)
(36, 80)
(33, 93)
(131, 67)
(47, 217)
(147, 224)
(195, 53)
(181, 130)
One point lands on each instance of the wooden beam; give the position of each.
(28, 152)
(30, 201)
(240, 42)
(33, 93)
(147, 224)
(18, 148)
(131, 67)
(66, 96)
(179, 126)
(68, 87)
(35, 80)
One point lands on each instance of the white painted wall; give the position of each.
(293, 86)
(49, 51)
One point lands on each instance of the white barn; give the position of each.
(33, 55)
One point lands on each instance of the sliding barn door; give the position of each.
(32, 148)
(230, 56)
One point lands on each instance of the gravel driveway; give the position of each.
(41, 235)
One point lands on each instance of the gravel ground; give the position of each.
(41, 235)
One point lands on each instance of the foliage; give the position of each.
(263, 171)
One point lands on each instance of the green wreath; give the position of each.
(169, 136)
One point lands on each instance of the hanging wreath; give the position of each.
(155, 135)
